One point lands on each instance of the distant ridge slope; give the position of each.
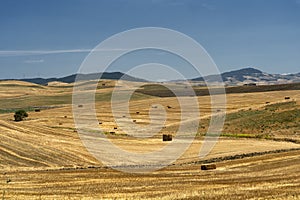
(235, 77)
(92, 76)
(251, 75)
(241, 73)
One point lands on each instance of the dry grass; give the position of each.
(265, 177)
(45, 159)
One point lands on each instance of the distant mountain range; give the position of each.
(236, 77)
(92, 76)
(251, 75)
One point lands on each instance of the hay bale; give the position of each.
(167, 137)
(250, 84)
(37, 110)
(286, 98)
(208, 167)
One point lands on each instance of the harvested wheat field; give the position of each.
(266, 177)
(42, 157)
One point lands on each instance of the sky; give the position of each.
(51, 38)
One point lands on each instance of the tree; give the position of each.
(20, 115)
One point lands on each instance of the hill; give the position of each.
(251, 75)
(231, 78)
(162, 91)
(92, 76)
(43, 157)
(279, 120)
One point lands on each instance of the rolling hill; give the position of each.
(236, 77)
(92, 76)
(251, 75)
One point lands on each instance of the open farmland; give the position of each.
(42, 157)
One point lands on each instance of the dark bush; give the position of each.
(20, 115)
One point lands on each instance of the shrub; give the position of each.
(20, 115)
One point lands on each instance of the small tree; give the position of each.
(20, 115)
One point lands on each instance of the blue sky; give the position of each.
(51, 38)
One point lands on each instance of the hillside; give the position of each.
(251, 75)
(162, 91)
(84, 77)
(48, 139)
(232, 78)
(43, 157)
(272, 121)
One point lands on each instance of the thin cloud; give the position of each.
(33, 61)
(44, 52)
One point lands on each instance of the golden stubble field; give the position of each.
(44, 158)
